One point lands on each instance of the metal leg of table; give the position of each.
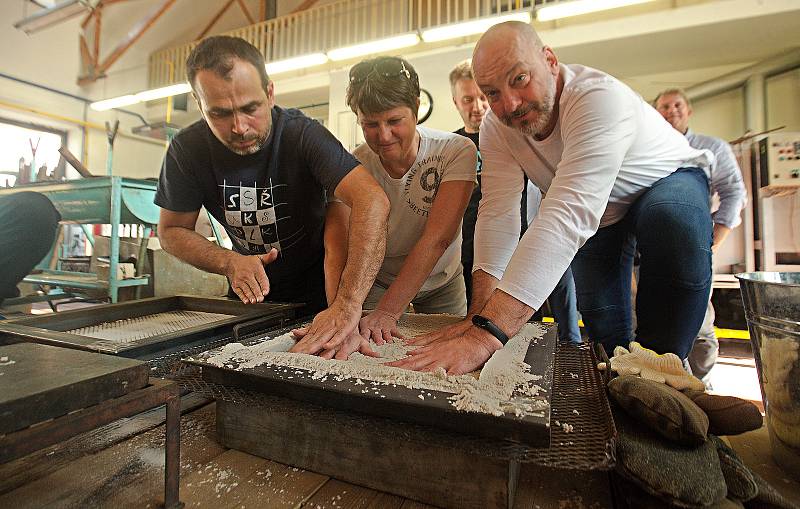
(116, 217)
(172, 453)
(142, 258)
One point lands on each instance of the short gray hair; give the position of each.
(462, 71)
(672, 91)
(373, 90)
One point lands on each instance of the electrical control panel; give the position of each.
(779, 159)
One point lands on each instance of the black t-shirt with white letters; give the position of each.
(273, 198)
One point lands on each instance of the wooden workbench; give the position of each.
(121, 465)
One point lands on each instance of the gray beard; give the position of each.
(544, 108)
(250, 150)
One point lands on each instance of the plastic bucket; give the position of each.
(772, 307)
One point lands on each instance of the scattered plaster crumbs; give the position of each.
(420, 396)
(489, 392)
(576, 412)
(573, 375)
(566, 427)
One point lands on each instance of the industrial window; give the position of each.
(25, 146)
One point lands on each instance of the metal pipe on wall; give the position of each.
(90, 125)
(65, 94)
(770, 67)
(753, 79)
(755, 111)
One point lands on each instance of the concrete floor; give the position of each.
(735, 372)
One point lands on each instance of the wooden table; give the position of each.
(119, 466)
(50, 394)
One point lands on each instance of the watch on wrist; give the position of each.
(489, 326)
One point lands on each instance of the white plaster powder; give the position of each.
(491, 390)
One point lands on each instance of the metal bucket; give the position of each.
(772, 307)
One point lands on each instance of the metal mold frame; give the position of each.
(50, 328)
(398, 402)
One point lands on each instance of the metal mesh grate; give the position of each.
(147, 326)
(577, 386)
(169, 365)
(579, 403)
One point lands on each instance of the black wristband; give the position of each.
(489, 326)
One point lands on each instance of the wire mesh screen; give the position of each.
(582, 428)
(147, 326)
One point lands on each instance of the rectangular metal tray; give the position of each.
(52, 328)
(398, 402)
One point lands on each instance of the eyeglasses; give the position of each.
(388, 68)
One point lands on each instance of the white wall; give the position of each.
(783, 100)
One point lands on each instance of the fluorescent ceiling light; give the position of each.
(477, 26)
(147, 95)
(290, 64)
(159, 93)
(577, 7)
(114, 102)
(381, 45)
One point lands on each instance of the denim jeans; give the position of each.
(670, 224)
(563, 305)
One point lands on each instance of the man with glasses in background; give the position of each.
(266, 173)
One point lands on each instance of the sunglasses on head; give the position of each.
(389, 68)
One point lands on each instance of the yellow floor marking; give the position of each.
(721, 333)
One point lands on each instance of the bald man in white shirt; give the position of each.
(615, 177)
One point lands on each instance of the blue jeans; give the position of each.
(565, 311)
(670, 224)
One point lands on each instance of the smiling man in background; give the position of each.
(726, 182)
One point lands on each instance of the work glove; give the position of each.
(663, 368)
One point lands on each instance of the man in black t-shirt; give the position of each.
(472, 105)
(265, 173)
